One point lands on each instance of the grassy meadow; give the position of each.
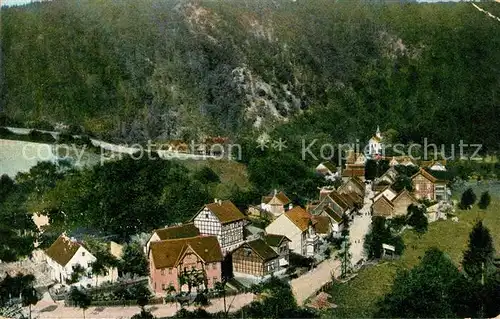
(358, 297)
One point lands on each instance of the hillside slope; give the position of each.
(132, 70)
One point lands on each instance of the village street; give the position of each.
(308, 284)
(53, 310)
(360, 227)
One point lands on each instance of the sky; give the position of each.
(14, 2)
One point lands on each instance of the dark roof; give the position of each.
(177, 232)
(274, 240)
(225, 211)
(262, 249)
(358, 183)
(337, 198)
(62, 250)
(336, 217)
(167, 253)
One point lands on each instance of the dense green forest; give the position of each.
(130, 71)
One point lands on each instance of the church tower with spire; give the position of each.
(375, 144)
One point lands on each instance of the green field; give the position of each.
(231, 173)
(358, 297)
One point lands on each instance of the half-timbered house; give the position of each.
(255, 258)
(224, 220)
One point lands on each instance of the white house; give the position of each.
(276, 204)
(67, 253)
(375, 144)
(336, 221)
(297, 225)
(224, 220)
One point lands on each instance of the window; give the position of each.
(206, 215)
(83, 253)
(214, 265)
(169, 271)
(163, 287)
(162, 272)
(89, 265)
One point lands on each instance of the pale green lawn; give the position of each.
(231, 173)
(358, 297)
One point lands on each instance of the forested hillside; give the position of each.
(132, 70)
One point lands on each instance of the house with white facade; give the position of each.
(297, 225)
(66, 255)
(224, 220)
(276, 203)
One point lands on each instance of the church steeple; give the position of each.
(377, 134)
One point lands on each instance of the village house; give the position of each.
(387, 191)
(393, 162)
(224, 220)
(175, 262)
(327, 170)
(297, 225)
(427, 186)
(338, 202)
(407, 161)
(401, 202)
(336, 221)
(393, 204)
(382, 207)
(66, 255)
(353, 170)
(276, 204)
(255, 258)
(173, 232)
(322, 226)
(389, 176)
(352, 184)
(434, 165)
(279, 244)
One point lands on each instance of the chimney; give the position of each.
(219, 202)
(215, 200)
(275, 192)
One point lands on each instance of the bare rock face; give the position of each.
(266, 104)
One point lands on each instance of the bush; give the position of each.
(485, 200)
(37, 136)
(300, 261)
(468, 199)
